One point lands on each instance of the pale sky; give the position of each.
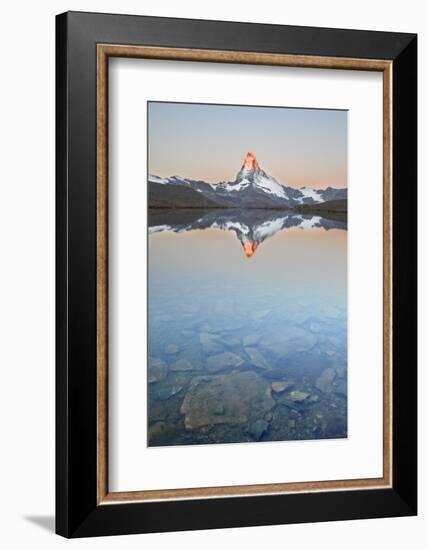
(298, 147)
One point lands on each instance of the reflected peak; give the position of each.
(249, 248)
(252, 227)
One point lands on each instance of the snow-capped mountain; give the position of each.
(251, 176)
(252, 188)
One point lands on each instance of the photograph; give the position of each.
(247, 273)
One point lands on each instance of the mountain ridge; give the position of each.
(252, 188)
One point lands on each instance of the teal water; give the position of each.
(247, 327)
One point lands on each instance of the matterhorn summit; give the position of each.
(250, 163)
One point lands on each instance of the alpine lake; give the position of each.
(247, 326)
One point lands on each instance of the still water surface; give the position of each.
(247, 327)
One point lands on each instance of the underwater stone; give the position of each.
(298, 396)
(182, 365)
(340, 372)
(341, 387)
(275, 374)
(156, 429)
(164, 391)
(325, 380)
(206, 338)
(258, 428)
(223, 361)
(279, 387)
(244, 396)
(231, 341)
(288, 339)
(158, 369)
(210, 343)
(251, 339)
(256, 358)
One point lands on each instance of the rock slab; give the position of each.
(236, 398)
(223, 361)
(256, 358)
(325, 381)
(280, 386)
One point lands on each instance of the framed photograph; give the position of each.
(236, 274)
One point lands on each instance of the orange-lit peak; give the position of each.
(249, 248)
(250, 162)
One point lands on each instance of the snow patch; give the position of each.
(159, 228)
(238, 186)
(268, 228)
(157, 179)
(309, 223)
(238, 226)
(309, 193)
(269, 185)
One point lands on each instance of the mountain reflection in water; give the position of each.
(252, 227)
(246, 350)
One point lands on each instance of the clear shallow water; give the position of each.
(247, 327)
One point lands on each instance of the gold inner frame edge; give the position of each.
(104, 51)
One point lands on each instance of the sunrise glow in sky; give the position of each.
(298, 147)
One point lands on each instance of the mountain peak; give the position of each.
(249, 248)
(250, 162)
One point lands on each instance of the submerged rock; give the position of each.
(340, 372)
(280, 386)
(182, 365)
(223, 361)
(232, 324)
(341, 388)
(236, 398)
(156, 430)
(158, 369)
(207, 337)
(325, 381)
(251, 339)
(298, 396)
(210, 343)
(313, 324)
(288, 339)
(256, 358)
(165, 390)
(258, 428)
(231, 341)
(276, 374)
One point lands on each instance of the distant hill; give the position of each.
(333, 210)
(176, 196)
(340, 205)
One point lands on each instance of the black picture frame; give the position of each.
(77, 511)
